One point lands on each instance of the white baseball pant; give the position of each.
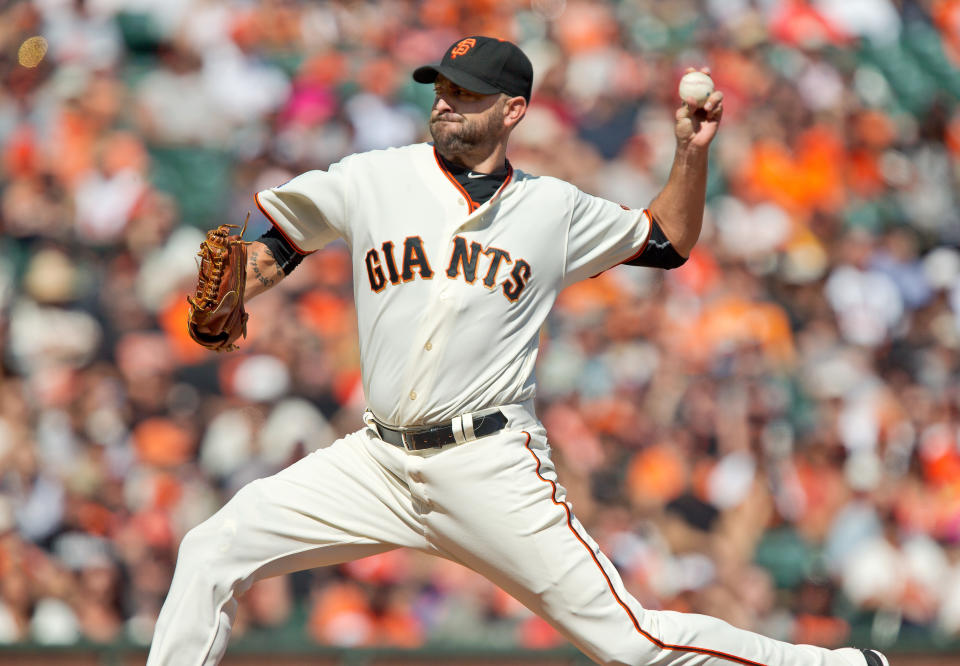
(493, 505)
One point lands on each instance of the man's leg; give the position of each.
(500, 511)
(336, 504)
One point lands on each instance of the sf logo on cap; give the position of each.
(463, 46)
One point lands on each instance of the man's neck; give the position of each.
(489, 163)
(459, 170)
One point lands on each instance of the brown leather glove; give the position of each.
(217, 317)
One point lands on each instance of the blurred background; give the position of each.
(769, 434)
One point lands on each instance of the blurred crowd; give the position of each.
(769, 434)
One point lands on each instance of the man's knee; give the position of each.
(194, 546)
(214, 541)
(610, 638)
(204, 556)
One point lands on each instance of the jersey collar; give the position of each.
(473, 205)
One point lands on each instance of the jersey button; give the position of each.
(428, 346)
(413, 395)
(461, 202)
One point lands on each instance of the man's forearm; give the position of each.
(678, 209)
(263, 271)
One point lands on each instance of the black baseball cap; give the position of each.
(483, 65)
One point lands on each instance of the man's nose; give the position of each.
(441, 105)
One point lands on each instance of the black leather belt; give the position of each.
(433, 437)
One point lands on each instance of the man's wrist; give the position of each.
(687, 153)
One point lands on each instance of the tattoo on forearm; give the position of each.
(254, 261)
(277, 271)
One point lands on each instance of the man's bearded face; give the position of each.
(457, 130)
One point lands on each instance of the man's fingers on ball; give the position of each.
(715, 99)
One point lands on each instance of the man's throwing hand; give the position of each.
(697, 124)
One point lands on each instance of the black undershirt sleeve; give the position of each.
(658, 252)
(287, 257)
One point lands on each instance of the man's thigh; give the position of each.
(334, 505)
(499, 509)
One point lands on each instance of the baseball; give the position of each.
(696, 85)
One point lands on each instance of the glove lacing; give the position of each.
(208, 289)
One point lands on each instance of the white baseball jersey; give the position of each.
(450, 297)
(450, 303)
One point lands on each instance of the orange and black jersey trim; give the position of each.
(287, 254)
(657, 250)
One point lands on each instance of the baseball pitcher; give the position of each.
(458, 258)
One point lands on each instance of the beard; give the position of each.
(460, 135)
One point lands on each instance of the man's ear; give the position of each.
(513, 111)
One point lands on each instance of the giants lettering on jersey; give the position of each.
(466, 262)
